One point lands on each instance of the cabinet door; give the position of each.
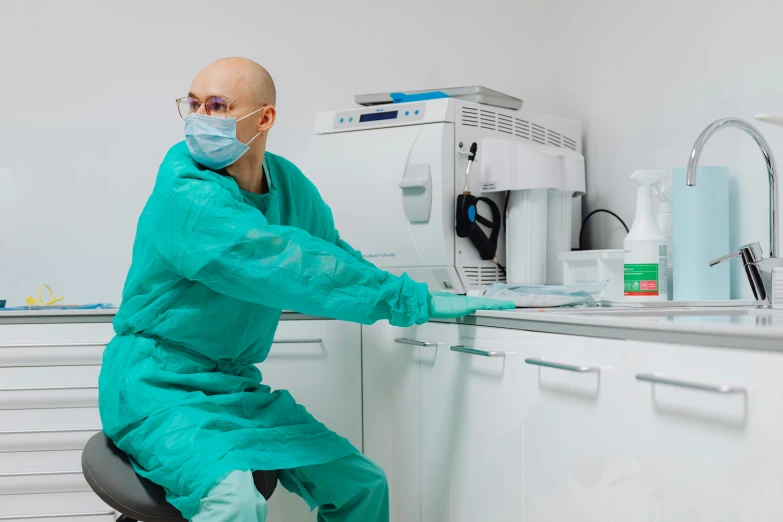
(573, 428)
(479, 401)
(319, 362)
(437, 386)
(392, 360)
(705, 437)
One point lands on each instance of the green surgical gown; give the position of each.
(212, 268)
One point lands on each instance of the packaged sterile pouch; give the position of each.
(546, 296)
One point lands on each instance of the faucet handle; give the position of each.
(750, 254)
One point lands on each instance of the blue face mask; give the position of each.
(213, 141)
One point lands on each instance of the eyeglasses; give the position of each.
(215, 106)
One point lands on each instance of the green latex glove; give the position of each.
(450, 306)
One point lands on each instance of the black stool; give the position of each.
(110, 474)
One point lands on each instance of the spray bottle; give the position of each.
(665, 224)
(646, 253)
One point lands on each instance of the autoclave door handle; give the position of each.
(416, 186)
(414, 183)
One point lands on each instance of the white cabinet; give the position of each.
(48, 409)
(445, 425)
(574, 398)
(392, 392)
(481, 406)
(705, 443)
(571, 428)
(320, 363)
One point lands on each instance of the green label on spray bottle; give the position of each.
(641, 280)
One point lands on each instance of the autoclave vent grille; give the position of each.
(490, 120)
(470, 116)
(484, 275)
(539, 134)
(505, 124)
(487, 119)
(522, 128)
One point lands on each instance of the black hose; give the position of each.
(505, 210)
(591, 214)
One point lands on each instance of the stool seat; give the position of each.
(111, 475)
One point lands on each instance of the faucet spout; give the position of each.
(766, 151)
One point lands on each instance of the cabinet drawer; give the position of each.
(49, 387)
(47, 430)
(58, 507)
(41, 472)
(54, 334)
(59, 354)
(35, 461)
(53, 344)
(42, 482)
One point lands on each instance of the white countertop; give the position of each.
(87, 316)
(738, 327)
(733, 327)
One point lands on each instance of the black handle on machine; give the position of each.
(473, 150)
(468, 219)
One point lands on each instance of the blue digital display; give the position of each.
(377, 116)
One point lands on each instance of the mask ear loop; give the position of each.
(245, 116)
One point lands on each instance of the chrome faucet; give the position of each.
(750, 254)
(693, 163)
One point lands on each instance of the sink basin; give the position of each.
(666, 309)
(716, 315)
(663, 312)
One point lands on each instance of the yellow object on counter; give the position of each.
(33, 302)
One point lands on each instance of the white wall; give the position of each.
(89, 87)
(649, 76)
(88, 93)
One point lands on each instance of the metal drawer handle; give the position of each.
(714, 388)
(413, 342)
(38, 474)
(475, 351)
(538, 361)
(57, 345)
(297, 341)
(60, 515)
(41, 432)
(49, 388)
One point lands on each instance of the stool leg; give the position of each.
(124, 518)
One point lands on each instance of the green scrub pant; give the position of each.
(350, 489)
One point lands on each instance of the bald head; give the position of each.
(238, 79)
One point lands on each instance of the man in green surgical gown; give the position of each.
(230, 236)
